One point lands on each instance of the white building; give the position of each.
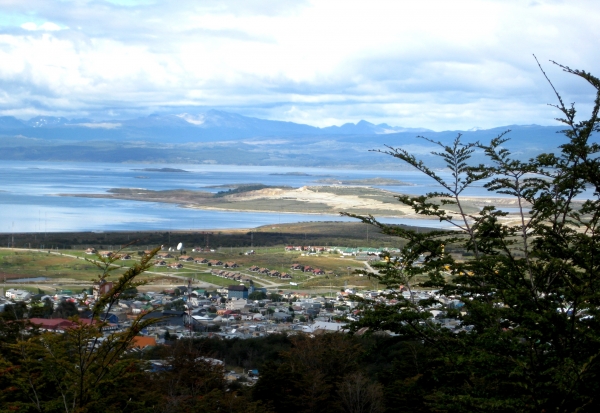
(236, 304)
(17, 295)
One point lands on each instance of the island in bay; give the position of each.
(323, 199)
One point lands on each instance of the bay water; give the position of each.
(29, 200)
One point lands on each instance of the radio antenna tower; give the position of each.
(189, 306)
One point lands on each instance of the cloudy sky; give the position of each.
(439, 64)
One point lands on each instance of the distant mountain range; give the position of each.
(227, 138)
(213, 124)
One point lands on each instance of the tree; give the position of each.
(175, 305)
(36, 310)
(48, 308)
(65, 309)
(307, 377)
(257, 295)
(15, 311)
(359, 395)
(195, 382)
(528, 299)
(83, 369)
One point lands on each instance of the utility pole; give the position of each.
(189, 305)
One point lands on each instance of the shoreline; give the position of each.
(207, 208)
(318, 203)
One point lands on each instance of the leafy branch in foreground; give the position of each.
(82, 369)
(517, 325)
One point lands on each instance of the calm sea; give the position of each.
(29, 201)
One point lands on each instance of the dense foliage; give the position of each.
(527, 315)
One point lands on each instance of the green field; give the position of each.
(73, 270)
(66, 264)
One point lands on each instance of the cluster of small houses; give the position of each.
(162, 258)
(230, 275)
(346, 251)
(108, 254)
(270, 273)
(202, 310)
(364, 254)
(236, 276)
(229, 313)
(358, 253)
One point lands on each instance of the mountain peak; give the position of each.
(41, 121)
(364, 123)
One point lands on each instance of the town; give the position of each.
(251, 301)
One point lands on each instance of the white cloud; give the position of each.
(48, 26)
(99, 125)
(434, 64)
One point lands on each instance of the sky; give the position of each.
(437, 64)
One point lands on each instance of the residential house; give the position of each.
(281, 316)
(236, 304)
(101, 288)
(237, 291)
(17, 295)
(142, 342)
(52, 324)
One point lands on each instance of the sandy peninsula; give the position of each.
(324, 199)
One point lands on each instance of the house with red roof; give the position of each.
(143, 342)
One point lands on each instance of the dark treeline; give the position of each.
(317, 233)
(324, 373)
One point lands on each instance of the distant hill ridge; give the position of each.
(185, 127)
(218, 137)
